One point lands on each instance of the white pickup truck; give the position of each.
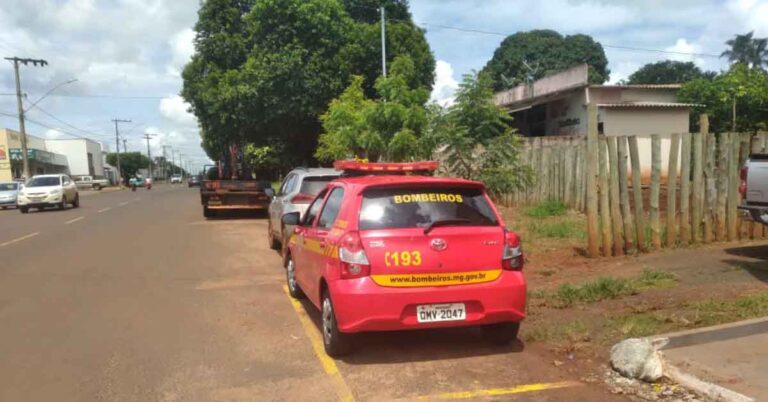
(90, 182)
(754, 187)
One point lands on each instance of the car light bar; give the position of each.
(393, 167)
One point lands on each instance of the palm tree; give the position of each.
(747, 50)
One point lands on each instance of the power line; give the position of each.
(67, 124)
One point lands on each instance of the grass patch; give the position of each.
(557, 230)
(572, 331)
(638, 325)
(713, 312)
(605, 288)
(546, 209)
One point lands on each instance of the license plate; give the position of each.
(441, 312)
(214, 202)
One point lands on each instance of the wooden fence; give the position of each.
(638, 195)
(696, 203)
(558, 164)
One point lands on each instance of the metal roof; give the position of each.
(649, 104)
(640, 86)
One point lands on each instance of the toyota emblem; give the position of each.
(438, 244)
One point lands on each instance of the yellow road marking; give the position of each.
(342, 389)
(18, 239)
(79, 218)
(502, 391)
(104, 209)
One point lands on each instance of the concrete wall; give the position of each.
(76, 151)
(568, 115)
(644, 121)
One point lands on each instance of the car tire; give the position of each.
(290, 278)
(273, 243)
(208, 213)
(23, 210)
(63, 203)
(336, 343)
(4, 208)
(502, 333)
(76, 202)
(97, 187)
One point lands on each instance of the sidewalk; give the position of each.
(734, 356)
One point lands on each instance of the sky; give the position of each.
(126, 55)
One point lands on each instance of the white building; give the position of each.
(84, 156)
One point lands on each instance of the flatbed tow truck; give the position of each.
(228, 189)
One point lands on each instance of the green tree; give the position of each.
(477, 141)
(747, 50)
(531, 55)
(130, 163)
(667, 72)
(264, 70)
(746, 88)
(388, 128)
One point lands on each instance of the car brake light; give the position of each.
(743, 184)
(512, 258)
(302, 198)
(354, 262)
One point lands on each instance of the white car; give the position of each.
(176, 179)
(50, 190)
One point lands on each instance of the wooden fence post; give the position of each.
(655, 188)
(591, 184)
(618, 223)
(624, 194)
(733, 187)
(722, 185)
(743, 155)
(698, 185)
(637, 193)
(685, 189)
(710, 183)
(674, 152)
(605, 207)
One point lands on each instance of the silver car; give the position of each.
(9, 191)
(298, 189)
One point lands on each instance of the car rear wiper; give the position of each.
(445, 222)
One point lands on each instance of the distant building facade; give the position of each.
(41, 160)
(84, 156)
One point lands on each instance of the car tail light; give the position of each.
(513, 258)
(354, 262)
(302, 198)
(743, 184)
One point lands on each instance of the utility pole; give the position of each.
(147, 137)
(117, 144)
(165, 163)
(173, 161)
(22, 129)
(125, 145)
(181, 165)
(383, 43)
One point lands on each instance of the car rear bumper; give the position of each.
(361, 305)
(759, 213)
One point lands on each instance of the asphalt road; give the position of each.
(135, 297)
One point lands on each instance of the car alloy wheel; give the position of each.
(336, 342)
(290, 274)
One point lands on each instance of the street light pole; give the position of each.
(117, 145)
(147, 137)
(22, 129)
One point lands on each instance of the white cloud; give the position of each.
(174, 108)
(53, 134)
(445, 85)
(682, 46)
(182, 48)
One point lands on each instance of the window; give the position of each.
(287, 184)
(331, 209)
(392, 208)
(46, 181)
(312, 185)
(313, 209)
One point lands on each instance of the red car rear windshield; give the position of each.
(392, 208)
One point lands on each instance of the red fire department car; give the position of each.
(382, 249)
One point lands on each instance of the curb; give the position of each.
(705, 335)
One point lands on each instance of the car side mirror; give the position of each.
(291, 218)
(269, 192)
